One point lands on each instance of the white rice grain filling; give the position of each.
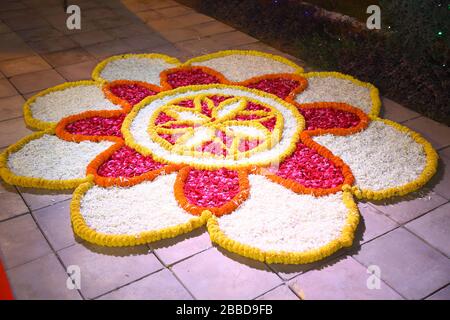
(331, 89)
(56, 105)
(276, 218)
(147, 206)
(380, 157)
(140, 69)
(238, 67)
(54, 159)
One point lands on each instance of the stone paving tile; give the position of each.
(37, 80)
(40, 198)
(409, 207)
(161, 285)
(174, 11)
(111, 23)
(199, 46)
(396, 112)
(177, 35)
(11, 107)
(445, 152)
(373, 223)
(144, 42)
(91, 37)
(407, 264)
(23, 65)
(434, 228)
(11, 203)
(12, 131)
(39, 34)
(280, 293)
(178, 22)
(441, 180)
(346, 279)
(149, 4)
(4, 28)
(25, 22)
(78, 71)
(234, 38)
(105, 269)
(106, 49)
(443, 294)
(129, 30)
(53, 45)
(435, 132)
(7, 89)
(215, 274)
(43, 278)
(54, 222)
(211, 28)
(174, 250)
(67, 57)
(21, 241)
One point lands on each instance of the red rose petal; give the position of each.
(328, 118)
(133, 93)
(97, 126)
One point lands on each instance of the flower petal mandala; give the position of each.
(277, 225)
(141, 213)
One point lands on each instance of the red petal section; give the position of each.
(133, 93)
(310, 169)
(186, 77)
(328, 118)
(97, 126)
(211, 188)
(280, 87)
(127, 162)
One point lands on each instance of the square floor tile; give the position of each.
(345, 279)
(40, 198)
(91, 37)
(443, 294)
(445, 152)
(106, 49)
(26, 22)
(373, 223)
(23, 65)
(11, 47)
(441, 180)
(12, 130)
(78, 71)
(11, 107)
(161, 285)
(42, 279)
(434, 228)
(396, 112)
(211, 28)
(11, 203)
(21, 241)
(105, 269)
(407, 264)
(55, 224)
(145, 41)
(129, 30)
(406, 208)
(436, 133)
(67, 57)
(215, 274)
(7, 89)
(280, 293)
(39, 34)
(53, 45)
(37, 80)
(176, 249)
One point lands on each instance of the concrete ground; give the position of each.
(408, 239)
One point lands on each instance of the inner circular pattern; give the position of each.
(140, 131)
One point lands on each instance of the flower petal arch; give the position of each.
(338, 87)
(276, 225)
(139, 67)
(29, 163)
(127, 93)
(239, 65)
(284, 85)
(387, 159)
(219, 191)
(127, 216)
(45, 109)
(190, 75)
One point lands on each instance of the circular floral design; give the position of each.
(269, 157)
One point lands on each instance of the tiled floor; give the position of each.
(407, 239)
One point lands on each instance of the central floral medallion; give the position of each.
(223, 126)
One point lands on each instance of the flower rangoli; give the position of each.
(268, 157)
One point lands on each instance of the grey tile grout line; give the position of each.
(49, 244)
(444, 286)
(427, 243)
(13, 217)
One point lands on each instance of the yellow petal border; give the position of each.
(285, 257)
(430, 169)
(33, 182)
(224, 53)
(85, 232)
(373, 91)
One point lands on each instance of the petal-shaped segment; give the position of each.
(338, 87)
(92, 125)
(43, 160)
(310, 169)
(45, 109)
(277, 225)
(139, 67)
(284, 85)
(218, 191)
(188, 75)
(126, 216)
(386, 159)
(127, 93)
(240, 65)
